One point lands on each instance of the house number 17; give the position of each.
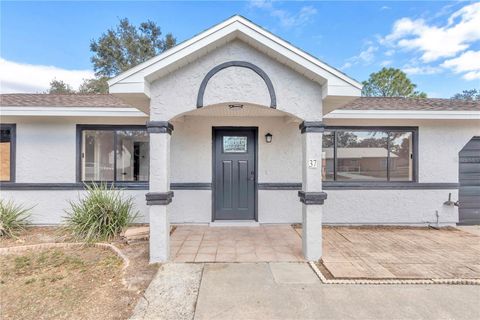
(312, 163)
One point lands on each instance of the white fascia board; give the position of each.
(71, 112)
(340, 90)
(131, 87)
(222, 30)
(403, 114)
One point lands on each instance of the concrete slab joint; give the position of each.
(159, 198)
(310, 198)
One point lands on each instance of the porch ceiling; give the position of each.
(247, 110)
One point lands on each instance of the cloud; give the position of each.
(385, 8)
(287, 19)
(467, 63)
(421, 70)
(28, 78)
(386, 63)
(435, 42)
(364, 57)
(390, 52)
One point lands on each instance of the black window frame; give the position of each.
(13, 149)
(388, 130)
(114, 129)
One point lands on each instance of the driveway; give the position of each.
(290, 291)
(400, 253)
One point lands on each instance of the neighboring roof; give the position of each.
(137, 79)
(61, 100)
(358, 153)
(413, 104)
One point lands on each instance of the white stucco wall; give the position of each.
(48, 206)
(46, 153)
(391, 207)
(279, 161)
(177, 92)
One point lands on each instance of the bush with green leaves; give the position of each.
(13, 218)
(101, 214)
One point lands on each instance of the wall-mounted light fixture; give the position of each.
(268, 138)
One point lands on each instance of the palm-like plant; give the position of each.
(101, 214)
(13, 218)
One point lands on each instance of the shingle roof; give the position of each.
(110, 101)
(428, 104)
(61, 100)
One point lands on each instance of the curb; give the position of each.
(105, 246)
(324, 280)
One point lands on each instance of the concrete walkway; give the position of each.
(292, 291)
(172, 294)
(288, 291)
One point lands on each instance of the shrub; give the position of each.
(101, 214)
(13, 218)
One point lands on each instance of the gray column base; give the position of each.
(312, 197)
(159, 198)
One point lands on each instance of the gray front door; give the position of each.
(469, 179)
(234, 173)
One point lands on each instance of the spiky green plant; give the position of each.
(13, 218)
(101, 214)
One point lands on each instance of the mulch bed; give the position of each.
(71, 283)
(66, 283)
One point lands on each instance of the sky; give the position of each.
(436, 43)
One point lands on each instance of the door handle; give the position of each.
(252, 176)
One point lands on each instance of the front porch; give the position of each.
(348, 252)
(265, 243)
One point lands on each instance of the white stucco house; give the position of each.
(238, 126)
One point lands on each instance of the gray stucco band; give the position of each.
(242, 64)
(191, 186)
(311, 126)
(280, 186)
(326, 185)
(159, 127)
(159, 198)
(312, 197)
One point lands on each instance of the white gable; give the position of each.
(134, 84)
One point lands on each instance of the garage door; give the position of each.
(469, 178)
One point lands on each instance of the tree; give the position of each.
(469, 95)
(390, 82)
(60, 87)
(126, 46)
(96, 85)
(118, 50)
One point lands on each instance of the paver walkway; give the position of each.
(195, 243)
(348, 252)
(400, 253)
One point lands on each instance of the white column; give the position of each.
(159, 195)
(312, 196)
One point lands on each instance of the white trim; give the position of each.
(403, 114)
(222, 30)
(71, 112)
